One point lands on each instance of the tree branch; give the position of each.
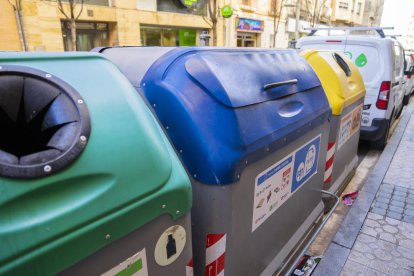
(280, 14)
(80, 12)
(14, 7)
(212, 9)
(72, 16)
(61, 9)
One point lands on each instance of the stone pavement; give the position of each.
(377, 235)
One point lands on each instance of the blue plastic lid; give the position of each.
(227, 108)
(237, 79)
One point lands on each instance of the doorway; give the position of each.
(246, 39)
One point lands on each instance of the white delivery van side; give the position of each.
(381, 63)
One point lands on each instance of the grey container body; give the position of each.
(345, 158)
(146, 237)
(228, 209)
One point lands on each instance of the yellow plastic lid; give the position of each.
(340, 78)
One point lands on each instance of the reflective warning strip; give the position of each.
(329, 162)
(189, 271)
(215, 251)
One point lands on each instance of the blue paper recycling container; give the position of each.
(251, 126)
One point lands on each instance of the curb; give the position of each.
(338, 251)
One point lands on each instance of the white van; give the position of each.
(380, 60)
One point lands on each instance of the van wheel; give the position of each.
(406, 99)
(382, 142)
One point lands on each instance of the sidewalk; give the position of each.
(377, 235)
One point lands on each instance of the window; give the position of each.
(359, 7)
(368, 59)
(151, 36)
(88, 35)
(343, 5)
(156, 36)
(170, 37)
(246, 40)
(398, 60)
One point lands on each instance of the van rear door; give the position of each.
(371, 64)
(397, 87)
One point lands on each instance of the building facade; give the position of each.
(347, 12)
(408, 37)
(102, 22)
(38, 25)
(9, 33)
(323, 14)
(313, 14)
(255, 23)
(372, 12)
(141, 22)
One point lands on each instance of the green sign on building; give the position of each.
(188, 3)
(187, 37)
(226, 11)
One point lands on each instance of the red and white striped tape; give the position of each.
(329, 163)
(215, 251)
(189, 271)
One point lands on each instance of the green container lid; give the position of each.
(125, 174)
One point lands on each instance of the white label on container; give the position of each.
(278, 183)
(135, 265)
(170, 245)
(350, 125)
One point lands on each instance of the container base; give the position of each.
(305, 230)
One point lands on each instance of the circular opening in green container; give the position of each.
(44, 123)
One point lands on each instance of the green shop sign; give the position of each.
(188, 3)
(226, 11)
(187, 37)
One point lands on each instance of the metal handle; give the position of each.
(315, 235)
(281, 83)
(342, 63)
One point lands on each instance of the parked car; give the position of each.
(408, 80)
(380, 60)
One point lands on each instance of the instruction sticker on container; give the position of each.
(275, 185)
(135, 265)
(350, 124)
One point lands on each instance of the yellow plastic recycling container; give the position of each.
(345, 90)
